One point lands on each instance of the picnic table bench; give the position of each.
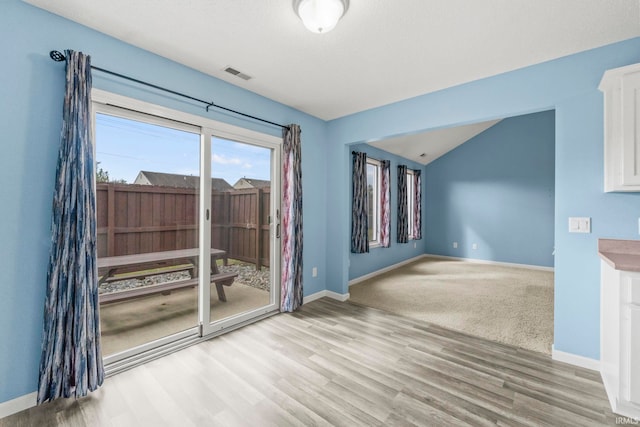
(109, 266)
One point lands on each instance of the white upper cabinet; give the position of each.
(621, 87)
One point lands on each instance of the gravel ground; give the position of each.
(247, 275)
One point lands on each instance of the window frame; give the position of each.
(374, 241)
(411, 200)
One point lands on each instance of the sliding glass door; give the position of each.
(148, 228)
(244, 224)
(188, 223)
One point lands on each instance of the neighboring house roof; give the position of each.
(250, 182)
(179, 181)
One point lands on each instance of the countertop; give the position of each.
(620, 254)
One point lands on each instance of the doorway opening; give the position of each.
(489, 210)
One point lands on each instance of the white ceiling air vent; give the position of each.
(237, 73)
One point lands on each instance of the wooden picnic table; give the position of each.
(109, 266)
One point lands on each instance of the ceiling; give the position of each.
(432, 144)
(381, 51)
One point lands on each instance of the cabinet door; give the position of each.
(613, 139)
(631, 128)
(634, 354)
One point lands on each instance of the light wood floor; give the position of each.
(335, 363)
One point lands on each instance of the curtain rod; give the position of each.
(368, 156)
(59, 57)
(373, 158)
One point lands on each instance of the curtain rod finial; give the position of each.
(57, 56)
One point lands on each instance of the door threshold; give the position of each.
(133, 361)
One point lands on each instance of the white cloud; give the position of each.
(247, 166)
(223, 160)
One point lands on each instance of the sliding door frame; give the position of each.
(130, 108)
(275, 145)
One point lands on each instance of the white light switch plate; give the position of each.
(579, 225)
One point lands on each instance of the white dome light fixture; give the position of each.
(320, 16)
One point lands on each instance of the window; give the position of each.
(410, 203)
(373, 210)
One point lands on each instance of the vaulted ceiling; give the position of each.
(426, 147)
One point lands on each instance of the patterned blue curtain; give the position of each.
(71, 360)
(385, 203)
(417, 205)
(291, 294)
(403, 217)
(359, 205)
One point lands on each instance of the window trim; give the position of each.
(374, 243)
(180, 120)
(411, 201)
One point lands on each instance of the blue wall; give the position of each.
(568, 85)
(32, 89)
(496, 190)
(379, 257)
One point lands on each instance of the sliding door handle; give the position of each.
(277, 231)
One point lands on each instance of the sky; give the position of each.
(124, 147)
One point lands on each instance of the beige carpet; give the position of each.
(505, 304)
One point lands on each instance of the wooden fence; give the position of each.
(135, 219)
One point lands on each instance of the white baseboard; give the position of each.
(574, 359)
(473, 260)
(337, 296)
(325, 293)
(18, 404)
(384, 270)
(483, 261)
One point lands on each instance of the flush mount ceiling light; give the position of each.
(320, 16)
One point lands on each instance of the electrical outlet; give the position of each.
(474, 246)
(579, 225)
(455, 245)
(314, 272)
